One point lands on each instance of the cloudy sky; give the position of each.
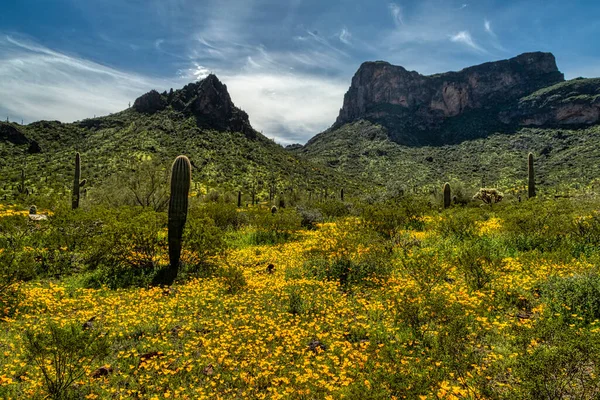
(287, 63)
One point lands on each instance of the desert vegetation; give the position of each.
(164, 291)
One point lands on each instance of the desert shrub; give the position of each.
(274, 228)
(457, 224)
(332, 208)
(538, 225)
(390, 217)
(234, 279)
(428, 266)
(296, 302)
(224, 215)
(67, 239)
(480, 261)
(310, 217)
(202, 240)
(131, 248)
(585, 235)
(576, 298)
(356, 255)
(557, 363)
(62, 354)
(17, 260)
(144, 183)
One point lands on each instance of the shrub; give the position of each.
(356, 255)
(62, 353)
(557, 364)
(390, 217)
(332, 208)
(576, 298)
(274, 228)
(131, 248)
(480, 261)
(310, 217)
(457, 224)
(202, 240)
(234, 279)
(17, 260)
(224, 215)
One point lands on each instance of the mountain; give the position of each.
(418, 109)
(474, 125)
(200, 120)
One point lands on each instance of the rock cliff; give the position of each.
(414, 108)
(207, 100)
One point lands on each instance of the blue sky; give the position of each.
(287, 63)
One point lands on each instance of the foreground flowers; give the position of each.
(288, 335)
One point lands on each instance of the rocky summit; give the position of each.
(418, 109)
(208, 100)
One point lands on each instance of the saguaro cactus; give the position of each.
(77, 183)
(21, 188)
(181, 180)
(531, 182)
(447, 195)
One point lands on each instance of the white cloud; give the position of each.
(290, 108)
(463, 6)
(396, 14)
(488, 27)
(345, 36)
(45, 84)
(465, 38)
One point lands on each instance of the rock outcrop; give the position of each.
(571, 103)
(413, 106)
(9, 133)
(207, 100)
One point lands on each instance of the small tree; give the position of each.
(489, 196)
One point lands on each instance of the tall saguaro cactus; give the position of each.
(447, 195)
(531, 181)
(181, 180)
(77, 183)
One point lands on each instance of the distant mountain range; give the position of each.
(396, 127)
(474, 126)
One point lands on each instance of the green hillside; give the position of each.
(227, 161)
(564, 158)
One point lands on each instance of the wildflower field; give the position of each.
(327, 300)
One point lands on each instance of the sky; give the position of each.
(287, 63)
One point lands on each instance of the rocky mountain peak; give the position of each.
(207, 100)
(408, 103)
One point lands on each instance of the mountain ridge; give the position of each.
(416, 108)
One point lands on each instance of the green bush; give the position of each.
(457, 224)
(342, 263)
(310, 217)
(234, 279)
(332, 208)
(538, 225)
(576, 298)
(131, 248)
(224, 215)
(273, 228)
(62, 353)
(480, 261)
(390, 217)
(202, 240)
(563, 364)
